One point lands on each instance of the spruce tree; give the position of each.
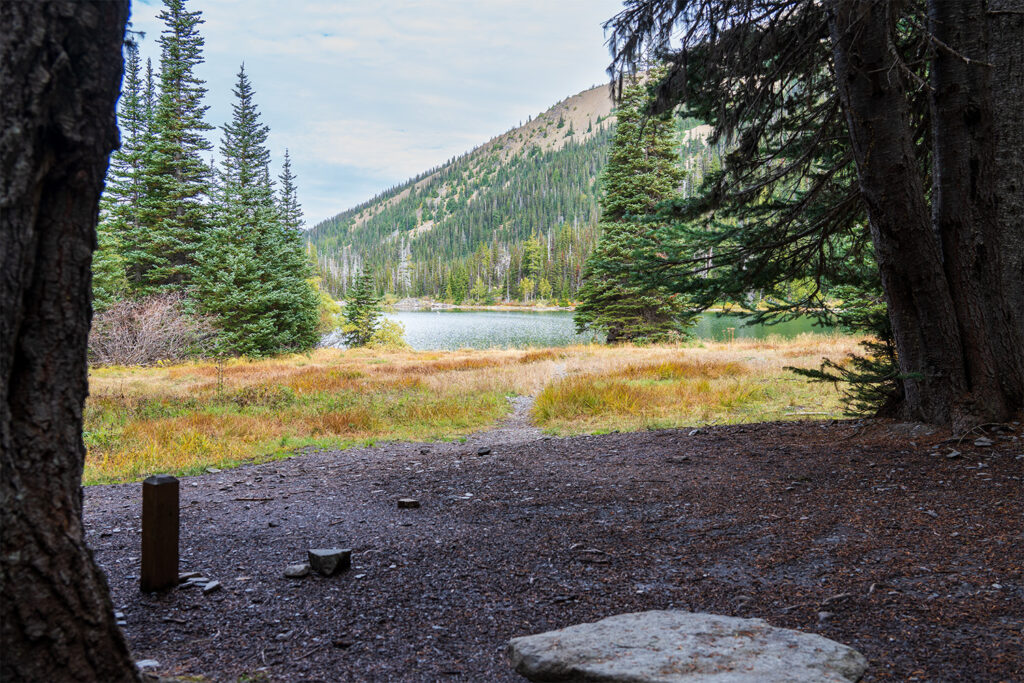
(120, 204)
(174, 213)
(253, 274)
(287, 200)
(362, 312)
(642, 172)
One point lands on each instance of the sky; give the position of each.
(365, 94)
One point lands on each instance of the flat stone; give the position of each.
(147, 664)
(212, 586)
(983, 442)
(297, 571)
(185, 576)
(328, 561)
(483, 450)
(408, 503)
(673, 646)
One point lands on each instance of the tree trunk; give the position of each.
(941, 272)
(872, 90)
(60, 76)
(1006, 54)
(964, 207)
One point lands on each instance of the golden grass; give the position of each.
(185, 418)
(630, 388)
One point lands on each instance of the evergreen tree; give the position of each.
(287, 201)
(933, 193)
(174, 217)
(362, 312)
(642, 172)
(120, 204)
(253, 275)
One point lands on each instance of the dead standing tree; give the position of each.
(60, 72)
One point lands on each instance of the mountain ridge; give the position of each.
(521, 206)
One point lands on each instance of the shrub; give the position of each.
(147, 331)
(390, 334)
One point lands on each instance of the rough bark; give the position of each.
(1006, 54)
(964, 207)
(60, 76)
(872, 90)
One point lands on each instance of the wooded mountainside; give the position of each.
(515, 218)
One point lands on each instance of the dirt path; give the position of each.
(865, 534)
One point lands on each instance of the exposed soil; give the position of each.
(864, 533)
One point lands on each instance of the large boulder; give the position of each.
(674, 646)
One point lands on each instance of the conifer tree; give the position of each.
(362, 312)
(174, 215)
(287, 201)
(642, 172)
(120, 204)
(253, 274)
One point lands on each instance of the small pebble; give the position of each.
(211, 587)
(147, 664)
(408, 503)
(483, 450)
(297, 571)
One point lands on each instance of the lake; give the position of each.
(519, 329)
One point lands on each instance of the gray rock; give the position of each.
(483, 450)
(329, 561)
(297, 571)
(983, 441)
(408, 503)
(674, 646)
(212, 586)
(147, 664)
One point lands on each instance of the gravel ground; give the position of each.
(865, 533)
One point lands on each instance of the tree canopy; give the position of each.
(837, 173)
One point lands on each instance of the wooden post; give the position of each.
(159, 533)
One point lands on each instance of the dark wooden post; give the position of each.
(159, 533)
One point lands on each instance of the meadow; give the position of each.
(187, 418)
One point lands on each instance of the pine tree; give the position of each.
(288, 202)
(362, 312)
(120, 204)
(174, 215)
(642, 172)
(253, 274)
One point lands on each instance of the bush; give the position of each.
(390, 334)
(147, 331)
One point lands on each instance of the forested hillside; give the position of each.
(513, 219)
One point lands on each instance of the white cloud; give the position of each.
(366, 94)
